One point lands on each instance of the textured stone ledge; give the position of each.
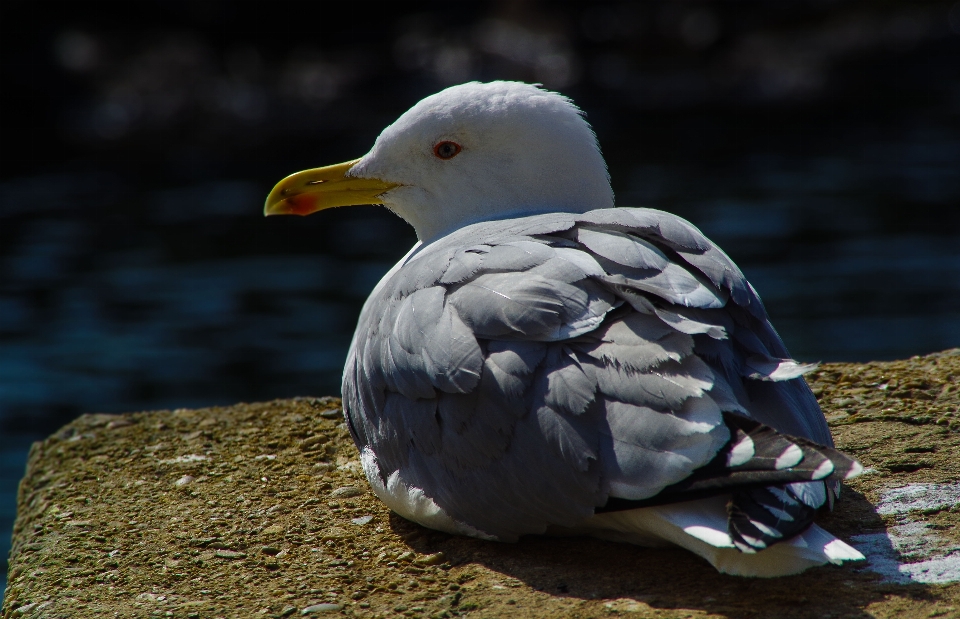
(261, 510)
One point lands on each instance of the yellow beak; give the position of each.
(322, 188)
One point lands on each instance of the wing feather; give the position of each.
(523, 372)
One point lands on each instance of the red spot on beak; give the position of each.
(303, 204)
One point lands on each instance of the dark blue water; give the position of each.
(817, 143)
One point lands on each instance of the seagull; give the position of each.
(543, 362)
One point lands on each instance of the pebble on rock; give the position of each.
(321, 608)
(433, 559)
(313, 442)
(346, 492)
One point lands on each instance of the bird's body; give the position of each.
(544, 363)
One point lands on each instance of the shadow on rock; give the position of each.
(631, 578)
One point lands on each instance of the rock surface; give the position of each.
(261, 510)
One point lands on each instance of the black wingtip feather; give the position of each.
(760, 517)
(753, 477)
(775, 452)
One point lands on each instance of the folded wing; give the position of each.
(526, 373)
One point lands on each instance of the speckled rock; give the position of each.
(261, 510)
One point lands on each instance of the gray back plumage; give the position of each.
(522, 372)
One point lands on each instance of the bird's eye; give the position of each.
(447, 150)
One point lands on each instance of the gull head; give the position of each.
(473, 152)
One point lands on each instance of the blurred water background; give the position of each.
(817, 142)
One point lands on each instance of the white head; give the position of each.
(469, 153)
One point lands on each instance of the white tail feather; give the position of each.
(701, 527)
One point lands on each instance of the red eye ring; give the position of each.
(447, 149)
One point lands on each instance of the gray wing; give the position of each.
(523, 372)
(735, 339)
